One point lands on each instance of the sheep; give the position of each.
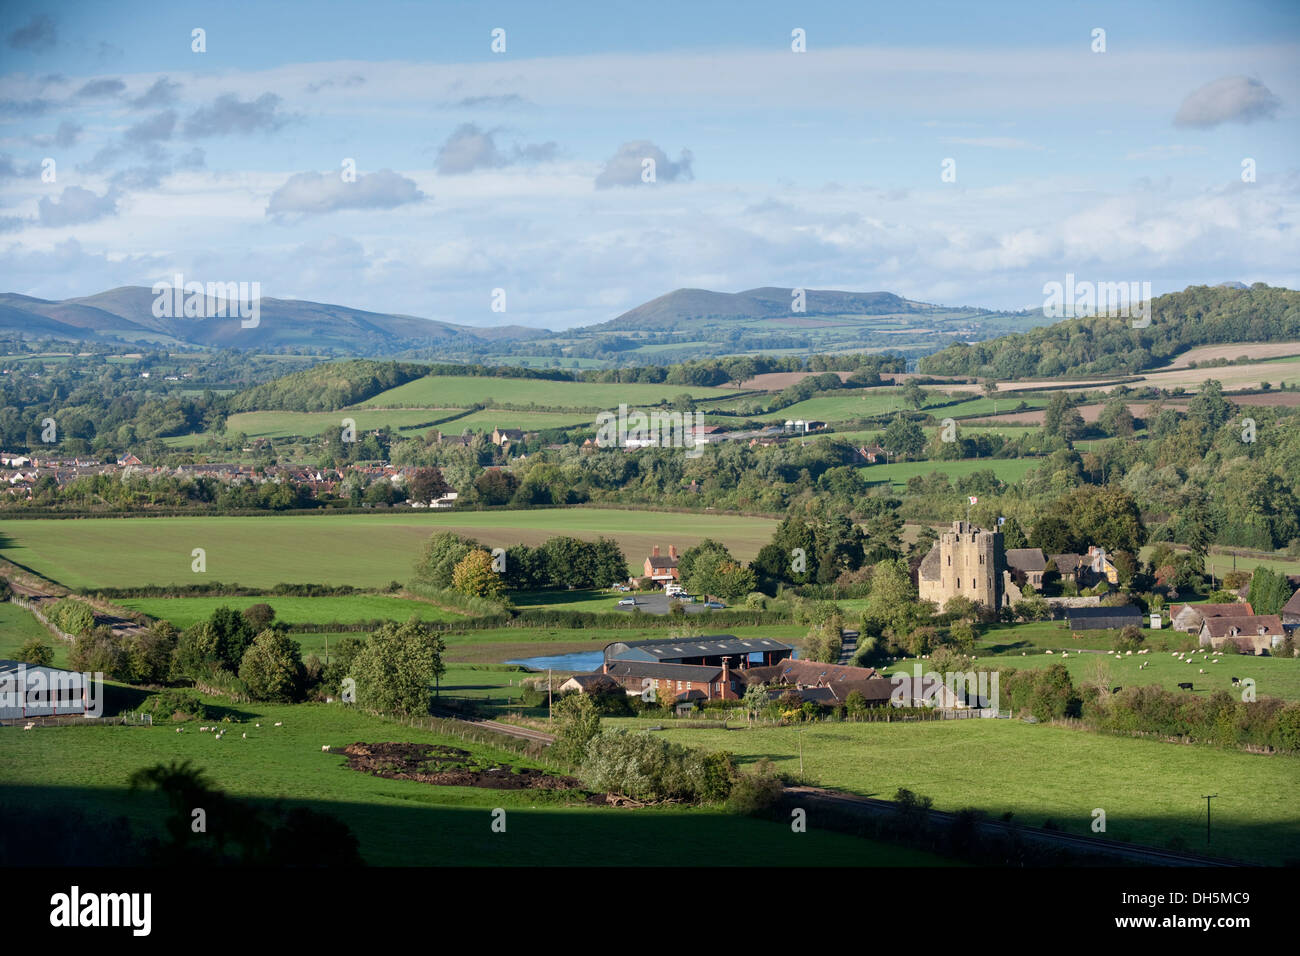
(1128, 653)
(246, 735)
(29, 727)
(257, 725)
(203, 730)
(325, 749)
(1202, 670)
(1065, 653)
(1048, 652)
(279, 723)
(179, 729)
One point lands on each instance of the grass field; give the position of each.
(17, 626)
(1009, 470)
(1152, 792)
(397, 822)
(365, 551)
(454, 391)
(293, 610)
(1273, 676)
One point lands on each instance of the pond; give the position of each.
(583, 662)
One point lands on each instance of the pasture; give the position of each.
(366, 550)
(397, 822)
(1009, 470)
(462, 391)
(348, 609)
(1151, 791)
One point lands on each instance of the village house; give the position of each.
(662, 570)
(1259, 634)
(1027, 566)
(871, 454)
(504, 436)
(1188, 618)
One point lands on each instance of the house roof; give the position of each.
(1087, 613)
(1292, 606)
(1026, 559)
(930, 569)
(1244, 626)
(662, 561)
(1066, 563)
(805, 672)
(1214, 610)
(692, 672)
(588, 681)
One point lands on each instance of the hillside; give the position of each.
(126, 314)
(1102, 345)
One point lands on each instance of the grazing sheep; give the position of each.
(179, 729)
(29, 727)
(325, 749)
(1049, 652)
(257, 725)
(246, 735)
(1202, 670)
(279, 723)
(1065, 653)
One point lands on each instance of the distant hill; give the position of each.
(695, 306)
(126, 314)
(1106, 345)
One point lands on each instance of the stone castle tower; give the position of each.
(965, 561)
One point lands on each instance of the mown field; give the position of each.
(1009, 470)
(366, 551)
(1152, 792)
(455, 391)
(294, 610)
(17, 626)
(398, 823)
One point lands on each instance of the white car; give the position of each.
(627, 602)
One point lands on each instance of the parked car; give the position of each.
(715, 605)
(627, 602)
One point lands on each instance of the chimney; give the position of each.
(654, 552)
(726, 675)
(672, 551)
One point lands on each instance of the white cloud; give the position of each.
(311, 193)
(1229, 99)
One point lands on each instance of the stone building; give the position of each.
(966, 561)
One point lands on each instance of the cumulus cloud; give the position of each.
(1229, 99)
(152, 130)
(75, 206)
(98, 89)
(311, 193)
(228, 114)
(469, 148)
(624, 168)
(37, 35)
(161, 93)
(33, 107)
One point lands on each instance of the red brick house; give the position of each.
(660, 569)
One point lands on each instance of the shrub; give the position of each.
(757, 791)
(36, 651)
(181, 705)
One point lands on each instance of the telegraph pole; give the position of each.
(548, 695)
(1208, 798)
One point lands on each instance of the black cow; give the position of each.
(1184, 686)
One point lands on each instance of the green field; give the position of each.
(1009, 470)
(397, 822)
(1152, 792)
(293, 610)
(366, 551)
(17, 626)
(456, 391)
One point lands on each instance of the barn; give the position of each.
(29, 690)
(1102, 618)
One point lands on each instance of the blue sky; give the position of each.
(521, 170)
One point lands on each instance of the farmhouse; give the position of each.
(700, 681)
(967, 562)
(590, 683)
(504, 436)
(660, 569)
(1189, 617)
(1258, 634)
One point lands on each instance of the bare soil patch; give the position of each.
(449, 767)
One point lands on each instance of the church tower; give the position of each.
(965, 561)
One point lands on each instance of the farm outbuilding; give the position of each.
(1102, 618)
(29, 690)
